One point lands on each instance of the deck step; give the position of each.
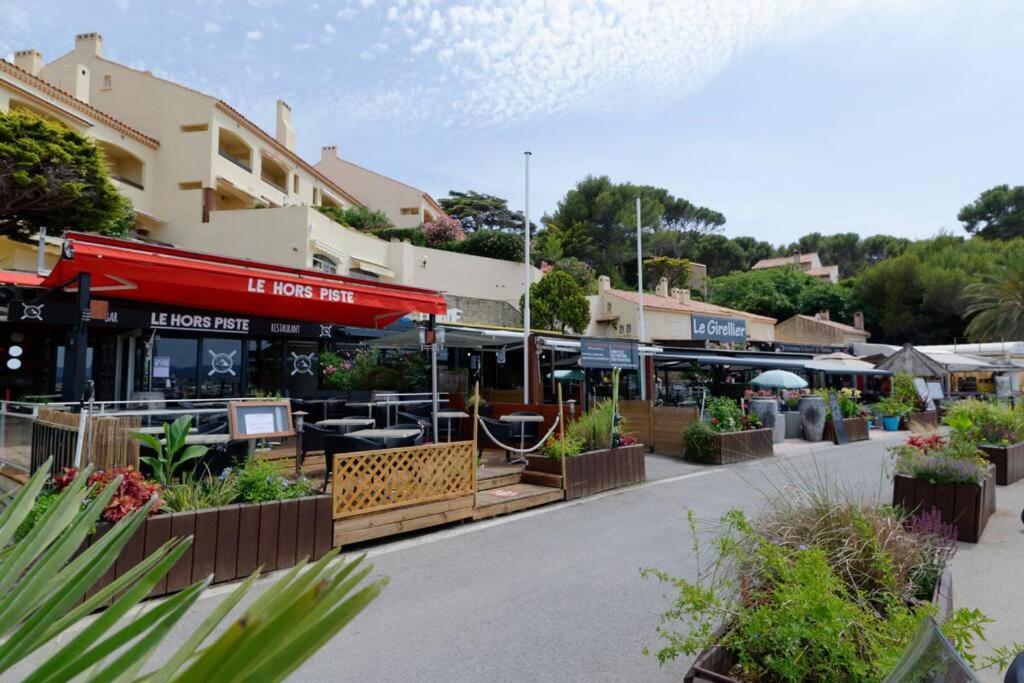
(542, 479)
(489, 483)
(500, 501)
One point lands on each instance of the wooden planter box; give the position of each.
(965, 506)
(1009, 462)
(924, 421)
(594, 471)
(229, 542)
(715, 664)
(856, 430)
(730, 447)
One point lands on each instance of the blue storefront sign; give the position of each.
(709, 328)
(602, 353)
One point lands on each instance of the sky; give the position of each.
(788, 116)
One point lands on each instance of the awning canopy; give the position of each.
(456, 337)
(138, 271)
(829, 367)
(20, 278)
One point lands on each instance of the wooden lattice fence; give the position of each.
(372, 481)
(108, 440)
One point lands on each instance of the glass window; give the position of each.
(324, 263)
(301, 368)
(263, 370)
(174, 367)
(220, 368)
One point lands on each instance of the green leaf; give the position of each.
(16, 512)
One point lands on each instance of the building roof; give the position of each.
(426, 196)
(77, 104)
(831, 323)
(785, 261)
(669, 303)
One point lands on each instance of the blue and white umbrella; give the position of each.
(779, 379)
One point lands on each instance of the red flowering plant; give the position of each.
(629, 440)
(132, 493)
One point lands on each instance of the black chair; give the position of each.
(218, 458)
(406, 440)
(423, 423)
(499, 430)
(343, 443)
(213, 428)
(313, 437)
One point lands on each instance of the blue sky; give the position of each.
(788, 116)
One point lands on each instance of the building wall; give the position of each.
(799, 330)
(470, 310)
(459, 274)
(658, 323)
(377, 191)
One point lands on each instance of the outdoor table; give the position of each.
(385, 434)
(450, 415)
(387, 403)
(369, 405)
(206, 439)
(342, 422)
(522, 433)
(159, 430)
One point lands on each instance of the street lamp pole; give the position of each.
(527, 280)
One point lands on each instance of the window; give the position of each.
(324, 264)
(609, 306)
(108, 81)
(363, 274)
(629, 328)
(411, 211)
(295, 183)
(194, 127)
(316, 196)
(191, 185)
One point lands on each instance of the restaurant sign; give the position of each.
(603, 353)
(709, 328)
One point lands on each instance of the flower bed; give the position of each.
(947, 475)
(231, 541)
(856, 429)
(998, 429)
(730, 436)
(1008, 461)
(592, 472)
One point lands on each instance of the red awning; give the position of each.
(20, 278)
(138, 271)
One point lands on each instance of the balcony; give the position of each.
(236, 161)
(273, 173)
(233, 148)
(122, 165)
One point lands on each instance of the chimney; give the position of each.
(285, 132)
(81, 90)
(603, 283)
(683, 295)
(823, 315)
(662, 288)
(858, 320)
(29, 60)
(90, 44)
(328, 152)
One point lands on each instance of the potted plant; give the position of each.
(819, 587)
(728, 436)
(950, 475)
(998, 431)
(852, 415)
(893, 410)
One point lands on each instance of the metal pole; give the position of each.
(641, 331)
(433, 376)
(41, 256)
(526, 300)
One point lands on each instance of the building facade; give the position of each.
(819, 329)
(808, 263)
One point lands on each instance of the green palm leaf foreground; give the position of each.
(997, 301)
(44, 580)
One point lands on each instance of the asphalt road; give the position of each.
(554, 594)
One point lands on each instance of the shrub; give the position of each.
(414, 235)
(42, 503)
(260, 481)
(893, 407)
(593, 429)
(941, 461)
(563, 448)
(699, 442)
(132, 493)
(580, 271)
(986, 422)
(197, 493)
(442, 230)
(493, 244)
(903, 390)
(336, 371)
(727, 416)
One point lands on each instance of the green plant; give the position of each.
(890, 406)
(941, 461)
(197, 493)
(563, 448)
(699, 442)
(47, 585)
(171, 452)
(726, 414)
(260, 481)
(335, 370)
(42, 503)
(593, 429)
(986, 422)
(494, 244)
(903, 390)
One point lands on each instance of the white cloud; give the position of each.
(507, 60)
(301, 47)
(211, 27)
(367, 56)
(254, 36)
(122, 4)
(347, 13)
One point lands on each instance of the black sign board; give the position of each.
(607, 354)
(837, 419)
(126, 315)
(710, 328)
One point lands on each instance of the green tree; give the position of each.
(547, 247)
(479, 211)
(53, 177)
(557, 302)
(492, 244)
(781, 293)
(998, 213)
(362, 218)
(996, 302)
(675, 270)
(581, 272)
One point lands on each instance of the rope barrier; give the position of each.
(512, 449)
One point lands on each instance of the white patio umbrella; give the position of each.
(779, 379)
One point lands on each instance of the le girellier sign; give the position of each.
(708, 328)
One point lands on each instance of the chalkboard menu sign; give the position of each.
(260, 420)
(837, 419)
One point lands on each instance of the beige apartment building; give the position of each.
(808, 263)
(405, 205)
(669, 315)
(204, 177)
